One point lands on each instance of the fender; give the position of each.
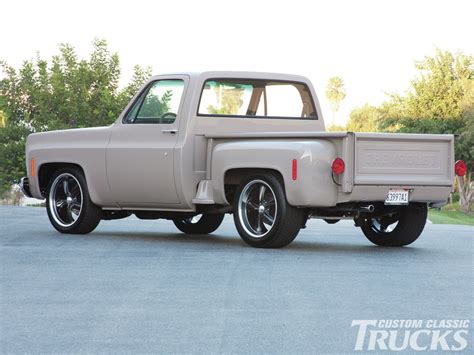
(313, 185)
(83, 147)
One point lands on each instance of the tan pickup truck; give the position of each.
(193, 147)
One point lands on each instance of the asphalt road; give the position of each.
(140, 286)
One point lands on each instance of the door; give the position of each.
(140, 154)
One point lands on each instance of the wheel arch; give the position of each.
(47, 170)
(233, 177)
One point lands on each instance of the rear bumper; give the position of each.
(25, 186)
(371, 193)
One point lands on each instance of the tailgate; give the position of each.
(403, 159)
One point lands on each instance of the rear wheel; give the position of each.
(200, 224)
(70, 209)
(400, 228)
(262, 216)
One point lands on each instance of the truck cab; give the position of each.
(166, 124)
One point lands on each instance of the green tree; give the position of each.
(364, 119)
(229, 96)
(439, 91)
(335, 128)
(66, 92)
(440, 100)
(336, 93)
(156, 106)
(139, 77)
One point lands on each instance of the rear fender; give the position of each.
(313, 185)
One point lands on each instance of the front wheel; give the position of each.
(400, 228)
(70, 209)
(262, 216)
(200, 224)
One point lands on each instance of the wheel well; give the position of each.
(47, 170)
(234, 177)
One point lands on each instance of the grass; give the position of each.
(450, 217)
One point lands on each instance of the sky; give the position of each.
(371, 45)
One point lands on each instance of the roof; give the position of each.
(237, 75)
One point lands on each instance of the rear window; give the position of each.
(257, 99)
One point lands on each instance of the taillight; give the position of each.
(338, 166)
(460, 168)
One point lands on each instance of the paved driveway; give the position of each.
(140, 286)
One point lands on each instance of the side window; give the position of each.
(256, 98)
(158, 104)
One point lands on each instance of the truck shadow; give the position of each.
(349, 247)
(169, 238)
(214, 241)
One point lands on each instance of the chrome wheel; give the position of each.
(65, 200)
(257, 208)
(379, 227)
(385, 224)
(194, 219)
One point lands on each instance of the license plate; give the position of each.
(397, 197)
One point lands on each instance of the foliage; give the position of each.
(364, 119)
(439, 92)
(336, 128)
(156, 106)
(465, 143)
(335, 92)
(66, 92)
(440, 100)
(12, 155)
(140, 76)
(229, 98)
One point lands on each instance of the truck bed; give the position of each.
(380, 159)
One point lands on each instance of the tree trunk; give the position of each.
(466, 192)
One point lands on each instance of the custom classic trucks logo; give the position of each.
(409, 334)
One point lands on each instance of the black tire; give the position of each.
(287, 220)
(89, 215)
(208, 223)
(411, 221)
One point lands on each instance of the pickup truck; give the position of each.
(192, 147)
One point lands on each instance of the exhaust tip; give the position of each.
(368, 208)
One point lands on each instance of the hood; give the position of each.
(71, 136)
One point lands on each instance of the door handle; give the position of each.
(170, 131)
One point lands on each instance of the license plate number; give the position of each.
(397, 197)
